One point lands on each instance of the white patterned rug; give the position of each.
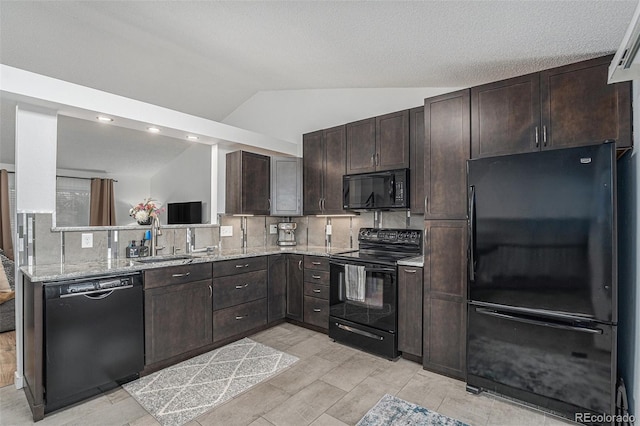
(182, 392)
(391, 410)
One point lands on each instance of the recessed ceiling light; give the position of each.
(153, 129)
(105, 119)
(192, 137)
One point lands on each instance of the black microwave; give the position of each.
(388, 190)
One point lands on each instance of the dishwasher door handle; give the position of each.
(87, 294)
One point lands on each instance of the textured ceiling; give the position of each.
(207, 58)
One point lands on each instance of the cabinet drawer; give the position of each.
(320, 277)
(320, 291)
(316, 262)
(176, 275)
(239, 266)
(316, 312)
(236, 289)
(239, 319)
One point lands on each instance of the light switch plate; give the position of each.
(87, 240)
(273, 228)
(226, 231)
(328, 229)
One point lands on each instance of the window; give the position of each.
(73, 197)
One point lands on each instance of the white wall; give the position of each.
(129, 191)
(629, 265)
(186, 178)
(288, 114)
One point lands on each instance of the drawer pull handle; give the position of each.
(316, 290)
(316, 277)
(238, 318)
(181, 275)
(410, 271)
(317, 310)
(240, 287)
(246, 265)
(210, 292)
(316, 263)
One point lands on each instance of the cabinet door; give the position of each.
(361, 146)
(335, 151)
(416, 163)
(580, 108)
(178, 318)
(295, 287)
(313, 172)
(410, 310)
(286, 186)
(445, 289)
(255, 183)
(392, 141)
(446, 150)
(505, 117)
(277, 287)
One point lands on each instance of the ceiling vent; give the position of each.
(626, 62)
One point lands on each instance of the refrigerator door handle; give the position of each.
(471, 225)
(500, 315)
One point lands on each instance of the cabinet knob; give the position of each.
(316, 277)
(246, 265)
(317, 310)
(239, 317)
(181, 275)
(410, 271)
(239, 287)
(316, 290)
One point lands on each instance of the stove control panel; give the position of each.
(412, 237)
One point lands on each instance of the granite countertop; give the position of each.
(417, 262)
(55, 272)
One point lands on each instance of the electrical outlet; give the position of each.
(328, 229)
(273, 228)
(87, 240)
(226, 231)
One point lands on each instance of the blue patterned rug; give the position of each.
(395, 411)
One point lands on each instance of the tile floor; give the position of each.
(331, 385)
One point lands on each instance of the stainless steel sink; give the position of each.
(156, 259)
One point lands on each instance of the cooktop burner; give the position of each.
(386, 246)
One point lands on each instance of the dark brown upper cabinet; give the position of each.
(416, 156)
(446, 150)
(323, 168)
(247, 188)
(378, 143)
(562, 107)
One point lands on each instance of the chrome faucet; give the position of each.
(155, 233)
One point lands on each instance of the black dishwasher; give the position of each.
(94, 336)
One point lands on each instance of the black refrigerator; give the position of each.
(542, 293)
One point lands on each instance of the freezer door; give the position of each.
(542, 231)
(566, 367)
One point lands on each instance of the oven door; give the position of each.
(375, 305)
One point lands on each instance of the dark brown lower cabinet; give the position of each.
(295, 287)
(316, 311)
(277, 288)
(177, 319)
(239, 319)
(410, 310)
(445, 292)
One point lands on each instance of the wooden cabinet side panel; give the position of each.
(410, 310)
(416, 163)
(580, 108)
(295, 287)
(33, 323)
(312, 171)
(361, 146)
(277, 287)
(335, 168)
(233, 183)
(392, 141)
(505, 117)
(447, 148)
(445, 337)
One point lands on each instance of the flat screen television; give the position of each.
(184, 213)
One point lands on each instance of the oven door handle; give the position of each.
(360, 332)
(392, 270)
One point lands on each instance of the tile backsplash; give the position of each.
(251, 231)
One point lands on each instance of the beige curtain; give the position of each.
(6, 243)
(102, 207)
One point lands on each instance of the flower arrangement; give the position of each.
(145, 211)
